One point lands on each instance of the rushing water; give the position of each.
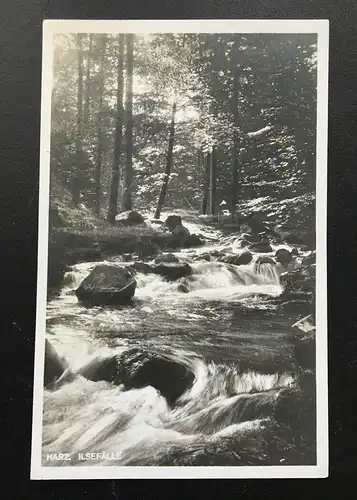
(235, 346)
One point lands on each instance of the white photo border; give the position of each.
(319, 27)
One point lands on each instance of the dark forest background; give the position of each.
(185, 121)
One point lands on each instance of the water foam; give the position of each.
(138, 424)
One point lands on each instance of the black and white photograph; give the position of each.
(181, 307)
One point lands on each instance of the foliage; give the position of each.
(275, 102)
(277, 96)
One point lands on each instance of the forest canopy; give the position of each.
(184, 120)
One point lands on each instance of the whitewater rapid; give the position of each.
(239, 364)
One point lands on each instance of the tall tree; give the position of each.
(88, 79)
(113, 200)
(79, 129)
(213, 181)
(127, 194)
(169, 162)
(236, 145)
(99, 156)
(206, 184)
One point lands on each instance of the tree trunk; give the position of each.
(206, 184)
(79, 132)
(98, 163)
(114, 188)
(87, 88)
(127, 200)
(213, 181)
(236, 146)
(235, 166)
(169, 162)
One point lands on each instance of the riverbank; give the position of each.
(70, 243)
(76, 235)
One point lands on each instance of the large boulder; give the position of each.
(55, 366)
(172, 222)
(129, 218)
(167, 258)
(135, 369)
(170, 378)
(181, 237)
(100, 367)
(239, 259)
(261, 246)
(173, 271)
(140, 267)
(283, 256)
(107, 285)
(180, 231)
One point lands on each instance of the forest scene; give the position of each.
(180, 322)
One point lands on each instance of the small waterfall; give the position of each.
(268, 273)
(76, 275)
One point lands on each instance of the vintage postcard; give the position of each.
(181, 310)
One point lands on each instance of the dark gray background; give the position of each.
(20, 81)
